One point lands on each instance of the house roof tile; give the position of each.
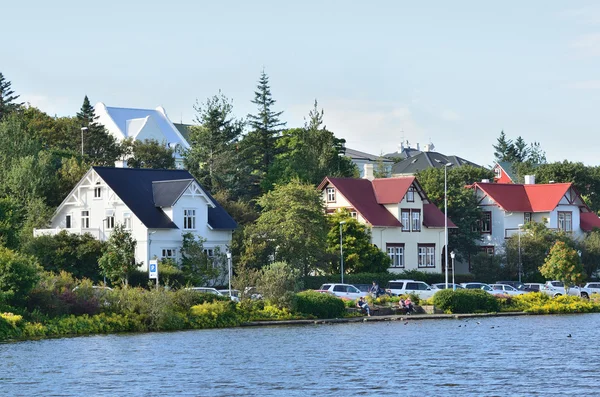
(525, 198)
(589, 221)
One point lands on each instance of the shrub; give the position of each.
(215, 315)
(465, 301)
(278, 283)
(319, 305)
(18, 275)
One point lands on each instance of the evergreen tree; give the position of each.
(260, 143)
(100, 147)
(7, 98)
(521, 150)
(504, 149)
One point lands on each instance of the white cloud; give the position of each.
(585, 85)
(587, 44)
(450, 115)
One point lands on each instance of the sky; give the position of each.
(451, 73)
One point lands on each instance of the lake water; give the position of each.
(497, 356)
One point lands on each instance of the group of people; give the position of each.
(403, 304)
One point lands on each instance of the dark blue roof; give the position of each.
(134, 187)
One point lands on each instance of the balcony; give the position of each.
(95, 232)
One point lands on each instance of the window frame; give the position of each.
(85, 219)
(412, 220)
(97, 191)
(410, 195)
(396, 252)
(564, 221)
(405, 225)
(330, 192)
(127, 222)
(527, 216)
(110, 222)
(482, 222)
(427, 256)
(164, 251)
(68, 221)
(189, 219)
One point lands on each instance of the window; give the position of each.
(68, 221)
(330, 195)
(527, 217)
(209, 252)
(169, 253)
(189, 219)
(85, 219)
(353, 214)
(396, 253)
(498, 172)
(488, 249)
(565, 221)
(97, 191)
(110, 222)
(127, 220)
(410, 195)
(426, 255)
(416, 220)
(486, 222)
(405, 220)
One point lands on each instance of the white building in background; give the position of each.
(157, 206)
(140, 125)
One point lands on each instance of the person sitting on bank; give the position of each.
(408, 306)
(362, 303)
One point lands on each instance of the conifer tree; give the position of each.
(7, 98)
(98, 144)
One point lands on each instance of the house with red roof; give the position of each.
(506, 207)
(403, 222)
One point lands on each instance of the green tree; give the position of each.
(291, 228)
(98, 145)
(563, 264)
(360, 254)
(265, 127)
(7, 98)
(76, 254)
(148, 153)
(278, 282)
(18, 275)
(11, 221)
(118, 256)
(213, 157)
(504, 149)
(197, 267)
(590, 252)
(521, 150)
(463, 208)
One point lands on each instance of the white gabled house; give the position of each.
(140, 125)
(403, 222)
(157, 206)
(505, 206)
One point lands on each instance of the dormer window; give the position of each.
(498, 172)
(331, 195)
(410, 195)
(97, 191)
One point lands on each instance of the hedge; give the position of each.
(466, 301)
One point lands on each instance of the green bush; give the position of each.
(319, 305)
(18, 275)
(466, 301)
(215, 315)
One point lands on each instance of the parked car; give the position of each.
(482, 286)
(534, 287)
(593, 287)
(516, 284)
(505, 289)
(343, 290)
(403, 287)
(557, 288)
(235, 294)
(205, 290)
(367, 287)
(443, 286)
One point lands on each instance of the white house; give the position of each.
(140, 125)
(360, 159)
(404, 223)
(505, 206)
(158, 206)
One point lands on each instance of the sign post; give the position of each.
(153, 270)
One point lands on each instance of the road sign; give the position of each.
(153, 269)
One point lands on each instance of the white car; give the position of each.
(557, 288)
(482, 286)
(235, 294)
(404, 287)
(593, 287)
(205, 290)
(343, 290)
(505, 289)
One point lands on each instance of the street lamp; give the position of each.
(520, 265)
(229, 267)
(452, 255)
(446, 220)
(342, 252)
(83, 129)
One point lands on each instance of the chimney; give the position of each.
(368, 172)
(418, 146)
(485, 181)
(530, 179)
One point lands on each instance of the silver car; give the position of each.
(505, 289)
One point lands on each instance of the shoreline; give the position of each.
(391, 317)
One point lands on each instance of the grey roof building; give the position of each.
(426, 160)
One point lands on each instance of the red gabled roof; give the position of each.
(433, 217)
(369, 197)
(392, 190)
(525, 198)
(588, 221)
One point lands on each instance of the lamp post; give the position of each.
(520, 266)
(342, 252)
(446, 220)
(452, 255)
(229, 267)
(83, 129)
